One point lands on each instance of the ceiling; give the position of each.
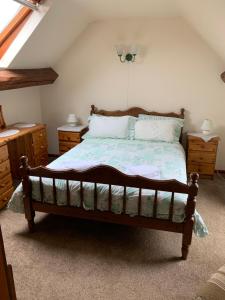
(64, 23)
(104, 9)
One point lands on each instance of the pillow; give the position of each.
(109, 127)
(155, 130)
(109, 131)
(179, 123)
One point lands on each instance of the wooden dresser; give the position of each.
(31, 142)
(70, 136)
(6, 184)
(201, 156)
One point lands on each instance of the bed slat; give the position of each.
(95, 197)
(41, 189)
(124, 199)
(81, 194)
(155, 205)
(110, 197)
(139, 202)
(68, 192)
(171, 207)
(54, 192)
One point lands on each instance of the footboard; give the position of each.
(103, 174)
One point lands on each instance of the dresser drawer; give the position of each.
(4, 198)
(5, 184)
(66, 146)
(199, 157)
(4, 168)
(201, 168)
(69, 136)
(202, 146)
(3, 153)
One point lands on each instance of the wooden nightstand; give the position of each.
(201, 155)
(70, 136)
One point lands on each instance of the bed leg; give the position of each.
(31, 224)
(187, 237)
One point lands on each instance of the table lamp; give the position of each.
(206, 127)
(72, 120)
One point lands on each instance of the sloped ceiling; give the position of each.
(67, 19)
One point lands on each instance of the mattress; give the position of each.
(156, 160)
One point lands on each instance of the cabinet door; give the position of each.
(17, 148)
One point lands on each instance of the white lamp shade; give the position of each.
(207, 126)
(72, 119)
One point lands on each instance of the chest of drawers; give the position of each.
(201, 155)
(70, 137)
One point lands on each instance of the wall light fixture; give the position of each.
(127, 53)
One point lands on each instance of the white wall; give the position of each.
(175, 69)
(21, 105)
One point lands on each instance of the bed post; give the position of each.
(92, 109)
(189, 212)
(29, 212)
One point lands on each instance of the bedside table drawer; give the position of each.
(201, 157)
(69, 136)
(201, 168)
(66, 146)
(209, 147)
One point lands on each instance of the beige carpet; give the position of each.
(74, 259)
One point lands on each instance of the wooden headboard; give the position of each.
(135, 111)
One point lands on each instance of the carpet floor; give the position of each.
(75, 259)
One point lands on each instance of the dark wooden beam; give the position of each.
(20, 78)
(223, 76)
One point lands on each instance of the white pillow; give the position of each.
(155, 130)
(109, 127)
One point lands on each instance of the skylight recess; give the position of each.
(8, 10)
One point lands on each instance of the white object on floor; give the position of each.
(24, 125)
(9, 132)
(206, 138)
(71, 128)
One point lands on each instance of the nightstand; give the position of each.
(70, 136)
(201, 154)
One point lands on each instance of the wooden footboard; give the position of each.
(108, 175)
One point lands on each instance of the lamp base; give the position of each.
(72, 124)
(206, 132)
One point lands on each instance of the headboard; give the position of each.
(135, 111)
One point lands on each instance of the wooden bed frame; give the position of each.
(103, 174)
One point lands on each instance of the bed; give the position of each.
(132, 182)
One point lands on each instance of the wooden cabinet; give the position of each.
(201, 155)
(6, 184)
(70, 137)
(33, 144)
(40, 147)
